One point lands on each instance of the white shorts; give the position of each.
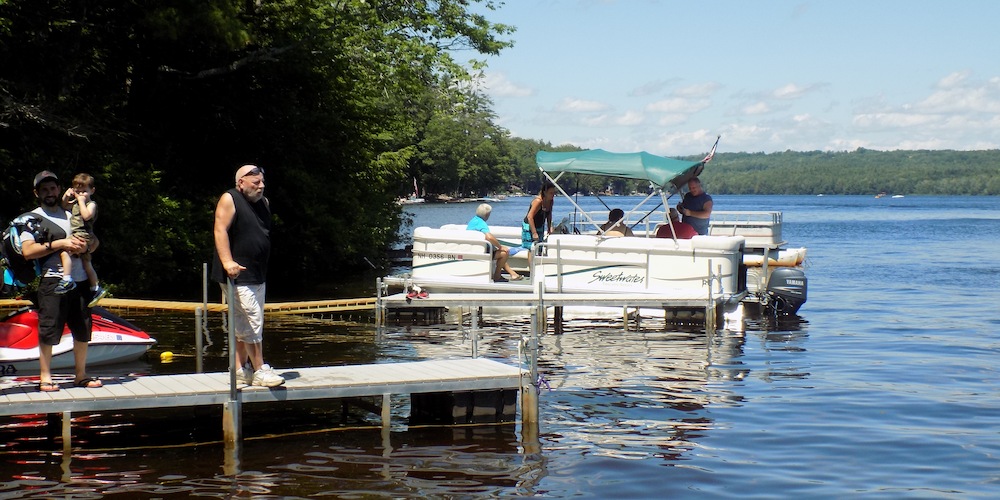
(249, 312)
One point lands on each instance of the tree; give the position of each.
(162, 101)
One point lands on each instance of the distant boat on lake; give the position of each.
(414, 198)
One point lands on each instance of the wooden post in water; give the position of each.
(231, 424)
(529, 380)
(386, 424)
(67, 432)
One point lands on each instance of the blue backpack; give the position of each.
(18, 271)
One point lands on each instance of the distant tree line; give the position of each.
(857, 172)
(862, 171)
(345, 104)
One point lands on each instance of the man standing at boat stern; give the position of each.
(58, 310)
(242, 249)
(696, 207)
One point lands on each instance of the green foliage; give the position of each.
(163, 101)
(856, 172)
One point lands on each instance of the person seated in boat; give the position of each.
(615, 227)
(683, 230)
(696, 207)
(500, 252)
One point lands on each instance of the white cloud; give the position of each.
(893, 120)
(570, 105)
(953, 80)
(757, 108)
(676, 143)
(671, 119)
(962, 99)
(595, 121)
(630, 118)
(790, 91)
(499, 86)
(650, 88)
(678, 105)
(698, 90)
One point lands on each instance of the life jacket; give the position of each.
(18, 271)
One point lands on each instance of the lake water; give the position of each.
(886, 386)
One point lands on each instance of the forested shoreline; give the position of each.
(863, 171)
(344, 104)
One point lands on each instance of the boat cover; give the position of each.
(659, 170)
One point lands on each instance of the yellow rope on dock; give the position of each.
(303, 307)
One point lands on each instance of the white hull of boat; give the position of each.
(572, 263)
(104, 349)
(113, 340)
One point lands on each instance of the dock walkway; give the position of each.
(198, 389)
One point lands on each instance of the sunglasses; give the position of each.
(255, 171)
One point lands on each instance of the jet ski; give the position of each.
(113, 340)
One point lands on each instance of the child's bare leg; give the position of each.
(67, 265)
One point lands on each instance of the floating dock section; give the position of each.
(711, 306)
(490, 383)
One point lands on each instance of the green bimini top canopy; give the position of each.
(659, 170)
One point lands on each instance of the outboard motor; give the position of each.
(786, 290)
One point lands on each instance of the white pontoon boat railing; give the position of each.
(762, 229)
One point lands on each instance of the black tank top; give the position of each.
(539, 219)
(249, 241)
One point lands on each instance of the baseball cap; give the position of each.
(44, 175)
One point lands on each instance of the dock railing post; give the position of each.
(204, 298)
(559, 267)
(198, 319)
(378, 309)
(710, 307)
(474, 320)
(201, 319)
(231, 425)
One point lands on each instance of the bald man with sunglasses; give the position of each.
(242, 249)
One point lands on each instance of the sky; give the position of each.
(668, 76)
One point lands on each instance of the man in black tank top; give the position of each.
(242, 248)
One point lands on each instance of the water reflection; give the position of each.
(607, 393)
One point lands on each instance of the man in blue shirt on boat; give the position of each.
(500, 252)
(696, 206)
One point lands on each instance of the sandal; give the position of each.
(48, 387)
(89, 383)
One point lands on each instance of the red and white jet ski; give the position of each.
(113, 340)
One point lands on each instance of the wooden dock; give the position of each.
(456, 376)
(332, 382)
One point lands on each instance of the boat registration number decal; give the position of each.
(444, 256)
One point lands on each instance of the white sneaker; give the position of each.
(266, 377)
